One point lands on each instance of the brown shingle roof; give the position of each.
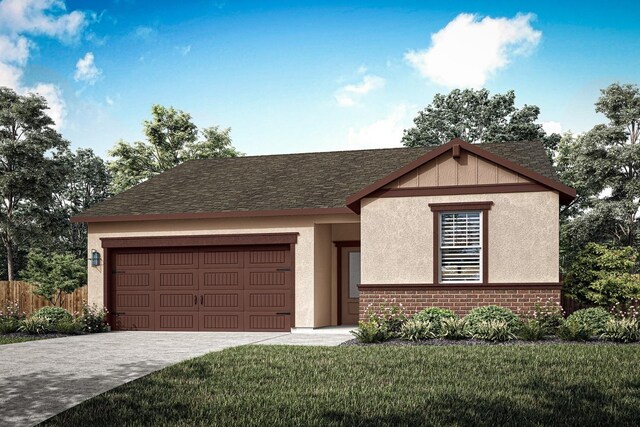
(277, 182)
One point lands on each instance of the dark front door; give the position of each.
(350, 279)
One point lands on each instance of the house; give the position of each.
(309, 240)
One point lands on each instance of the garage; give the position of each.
(200, 288)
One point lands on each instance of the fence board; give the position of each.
(21, 292)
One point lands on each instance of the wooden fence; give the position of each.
(21, 292)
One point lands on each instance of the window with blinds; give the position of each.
(460, 247)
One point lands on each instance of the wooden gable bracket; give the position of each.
(456, 150)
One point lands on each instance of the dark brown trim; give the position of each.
(347, 243)
(292, 254)
(463, 206)
(205, 215)
(207, 240)
(448, 190)
(436, 208)
(567, 194)
(106, 285)
(456, 151)
(475, 286)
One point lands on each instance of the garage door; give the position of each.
(202, 289)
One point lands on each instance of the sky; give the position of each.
(308, 76)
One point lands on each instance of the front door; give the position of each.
(350, 279)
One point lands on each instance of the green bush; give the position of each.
(454, 329)
(493, 330)
(550, 315)
(53, 314)
(532, 330)
(594, 319)
(68, 327)
(416, 330)
(371, 332)
(622, 330)
(8, 325)
(11, 311)
(93, 319)
(35, 326)
(492, 313)
(391, 315)
(434, 315)
(572, 330)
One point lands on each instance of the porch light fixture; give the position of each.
(95, 258)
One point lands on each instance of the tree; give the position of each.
(30, 169)
(476, 117)
(172, 138)
(604, 166)
(54, 275)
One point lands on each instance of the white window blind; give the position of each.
(460, 247)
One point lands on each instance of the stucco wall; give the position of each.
(397, 240)
(305, 293)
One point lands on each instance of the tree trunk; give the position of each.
(10, 274)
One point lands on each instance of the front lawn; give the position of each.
(7, 339)
(479, 385)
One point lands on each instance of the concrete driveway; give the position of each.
(39, 379)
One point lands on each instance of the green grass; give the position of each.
(369, 386)
(13, 340)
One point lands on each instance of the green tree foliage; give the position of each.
(30, 169)
(604, 166)
(54, 275)
(172, 138)
(475, 116)
(604, 276)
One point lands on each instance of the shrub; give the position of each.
(416, 330)
(35, 326)
(53, 314)
(630, 310)
(549, 315)
(532, 330)
(454, 329)
(54, 275)
(594, 319)
(8, 326)
(11, 310)
(603, 275)
(492, 313)
(93, 319)
(391, 315)
(572, 330)
(622, 330)
(435, 316)
(493, 330)
(371, 332)
(68, 327)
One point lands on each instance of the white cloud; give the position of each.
(86, 70)
(470, 49)
(552, 127)
(383, 133)
(22, 19)
(109, 100)
(144, 32)
(348, 95)
(184, 50)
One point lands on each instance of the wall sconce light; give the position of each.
(95, 258)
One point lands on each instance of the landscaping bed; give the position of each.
(524, 385)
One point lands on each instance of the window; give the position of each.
(354, 274)
(460, 247)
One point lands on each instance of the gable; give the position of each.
(466, 169)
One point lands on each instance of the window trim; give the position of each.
(484, 208)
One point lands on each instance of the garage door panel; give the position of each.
(134, 260)
(279, 301)
(267, 278)
(134, 301)
(133, 280)
(176, 301)
(221, 258)
(177, 321)
(222, 321)
(221, 279)
(180, 280)
(268, 257)
(217, 301)
(258, 322)
(178, 258)
(134, 322)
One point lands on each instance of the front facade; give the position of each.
(456, 226)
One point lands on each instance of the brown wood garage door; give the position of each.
(202, 289)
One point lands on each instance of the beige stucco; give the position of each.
(397, 239)
(309, 278)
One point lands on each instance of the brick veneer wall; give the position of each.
(460, 301)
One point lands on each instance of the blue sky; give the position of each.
(305, 76)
